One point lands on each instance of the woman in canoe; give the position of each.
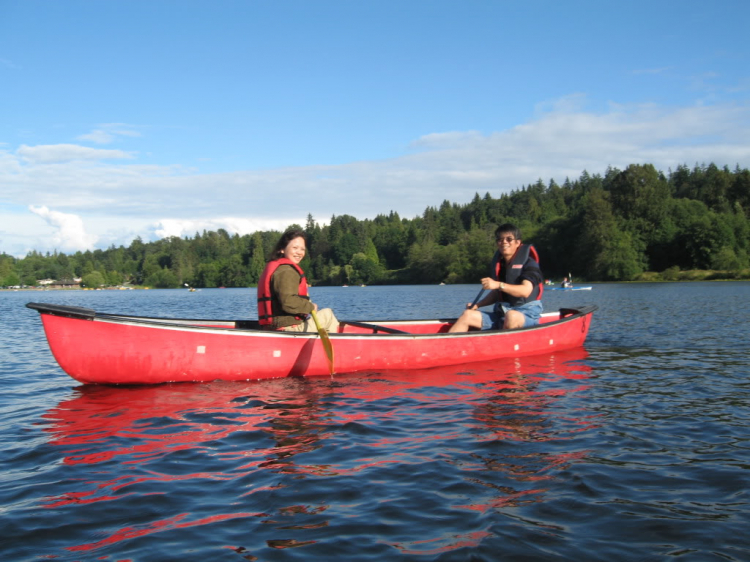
(283, 300)
(515, 283)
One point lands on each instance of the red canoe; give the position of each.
(101, 348)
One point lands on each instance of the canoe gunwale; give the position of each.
(63, 310)
(567, 314)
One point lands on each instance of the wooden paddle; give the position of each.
(327, 345)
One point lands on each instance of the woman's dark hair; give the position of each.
(287, 237)
(508, 227)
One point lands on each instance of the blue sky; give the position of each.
(157, 118)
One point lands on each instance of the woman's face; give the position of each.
(295, 250)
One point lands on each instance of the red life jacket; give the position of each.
(511, 273)
(265, 297)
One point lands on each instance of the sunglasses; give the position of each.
(507, 239)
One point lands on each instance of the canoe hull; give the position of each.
(108, 349)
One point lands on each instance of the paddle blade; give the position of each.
(327, 345)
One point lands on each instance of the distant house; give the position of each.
(61, 284)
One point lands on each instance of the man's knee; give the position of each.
(514, 320)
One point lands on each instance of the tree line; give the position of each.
(623, 225)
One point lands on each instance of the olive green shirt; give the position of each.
(286, 301)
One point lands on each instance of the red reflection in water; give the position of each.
(452, 543)
(135, 427)
(155, 420)
(176, 522)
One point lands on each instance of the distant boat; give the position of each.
(570, 288)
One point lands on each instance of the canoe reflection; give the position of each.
(102, 422)
(143, 439)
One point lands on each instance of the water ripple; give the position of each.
(635, 448)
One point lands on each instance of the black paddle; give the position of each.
(476, 299)
(479, 296)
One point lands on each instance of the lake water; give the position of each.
(636, 447)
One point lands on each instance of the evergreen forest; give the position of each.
(626, 225)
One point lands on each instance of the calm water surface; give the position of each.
(636, 447)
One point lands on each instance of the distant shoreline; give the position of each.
(686, 277)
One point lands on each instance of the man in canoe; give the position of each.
(283, 300)
(515, 284)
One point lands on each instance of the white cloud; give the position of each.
(98, 136)
(51, 153)
(70, 234)
(108, 132)
(182, 228)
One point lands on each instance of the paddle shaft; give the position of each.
(327, 345)
(479, 296)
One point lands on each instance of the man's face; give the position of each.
(507, 244)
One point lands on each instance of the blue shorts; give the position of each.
(494, 320)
